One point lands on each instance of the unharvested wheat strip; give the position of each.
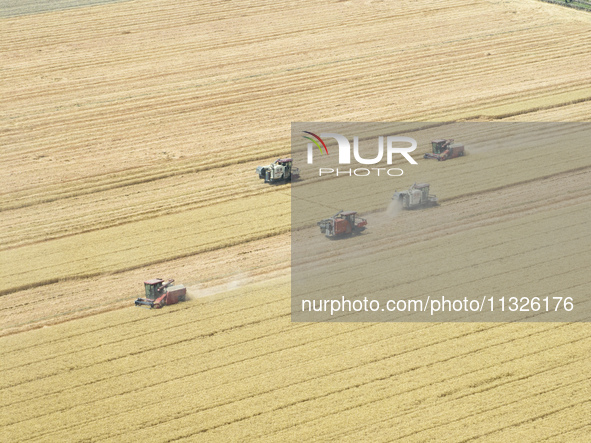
(536, 405)
(197, 100)
(471, 257)
(114, 349)
(211, 274)
(56, 209)
(133, 203)
(565, 425)
(106, 251)
(575, 433)
(113, 356)
(576, 112)
(483, 167)
(232, 306)
(302, 391)
(443, 389)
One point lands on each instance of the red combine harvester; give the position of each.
(444, 149)
(341, 224)
(160, 293)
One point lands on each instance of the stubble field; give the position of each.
(130, 133)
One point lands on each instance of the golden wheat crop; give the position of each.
(130, 133)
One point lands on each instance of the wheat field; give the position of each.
(130, 134)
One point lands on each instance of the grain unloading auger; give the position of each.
(160, 293)
(341, 224)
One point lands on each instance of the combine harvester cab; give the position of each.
(416, 197)
(341, 224)
(160, 293)
(444, 149)
(280, 171)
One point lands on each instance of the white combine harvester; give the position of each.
(416, 197)
(280, 171)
